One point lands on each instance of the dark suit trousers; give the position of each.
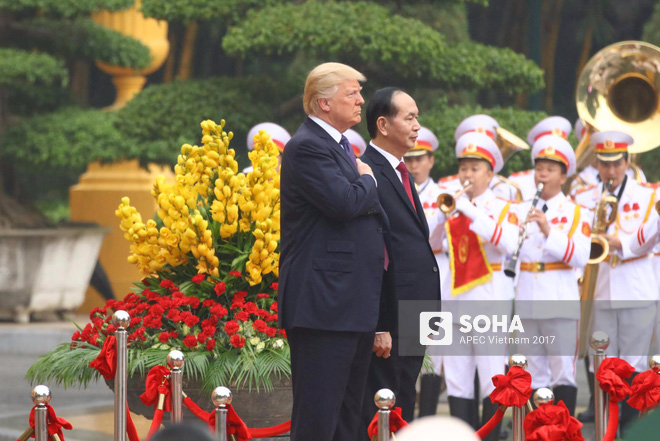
(399, 374)
(329, 374)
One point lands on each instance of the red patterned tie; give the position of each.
(405, 178)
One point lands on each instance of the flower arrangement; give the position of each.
(210, 260)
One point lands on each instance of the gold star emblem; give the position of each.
(609, 144)
(471, 148)
(550, 150)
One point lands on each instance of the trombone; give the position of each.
(510, 270)
(447, 201)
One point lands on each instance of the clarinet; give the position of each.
(510, 270)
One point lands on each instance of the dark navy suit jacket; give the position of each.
(332, 237)
(413, 271)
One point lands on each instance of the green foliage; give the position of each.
(188, 10)
(22, 68)
(65, 8)
(67, 139)
(652, 27)
(443, 120)
(448, 18)
(163, 117)
(83, 38)
(388, 46)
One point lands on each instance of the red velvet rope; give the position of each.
(155, 423)
(491, 424)
(511, 390)
(55, 424)
(611, 376)
(396, 422)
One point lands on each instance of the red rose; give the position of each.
(237, 304)
(164, 336)
(231, 327)
(273, 307)
(235, 273)
(208, 302)
(262, 313)
(271, 332)
(282, 332)
(242, 316)
(190, 341)
(220, 288)
(237, 341)
(274, 286)
(75, 336)
(174, 315)
(168, 284)
(263, 295)
(210, 344)
(259, 325)
(199, 278)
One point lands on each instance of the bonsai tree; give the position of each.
(42, 44)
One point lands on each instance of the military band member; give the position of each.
(480, 235)
(419, 162)
(557, 241)
(552, 125)
(487, 125)
(278, 135)
(589, 176)
(626, 290)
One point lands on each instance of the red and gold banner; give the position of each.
(467, 258)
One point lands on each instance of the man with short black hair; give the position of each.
(413, 272)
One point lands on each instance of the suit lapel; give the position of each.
(389, 173)
(332, 144)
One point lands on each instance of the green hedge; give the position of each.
(652, 27)
(65, 8)
(68, 138)
(23, 68)
(82, 38)
(162, 117)
(188, 10)
(369, 36)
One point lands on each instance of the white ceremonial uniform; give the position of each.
(498, 236)
(547, 296)
(525, 182)
(589, 177)
(627, 293)
(428, 195)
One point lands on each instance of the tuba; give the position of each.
(606, 212)
(509, 144)
(619, 89)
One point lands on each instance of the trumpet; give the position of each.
(447, 201)
(510, 270)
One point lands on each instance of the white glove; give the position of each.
(465, 206)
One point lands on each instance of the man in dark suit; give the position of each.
(413, 272)
(332, 260)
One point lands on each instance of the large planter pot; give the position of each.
(46, 270)
(257, 409)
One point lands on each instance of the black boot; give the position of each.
(567, 394)
(461, 408)
(475, 403)
(488, 410)
(428, 394)
(589, 415)
(628, 414)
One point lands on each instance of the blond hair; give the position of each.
(323, 81)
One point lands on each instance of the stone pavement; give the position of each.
(90, 410)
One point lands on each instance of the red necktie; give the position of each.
(405, 178)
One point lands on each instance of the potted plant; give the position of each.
(210, 259)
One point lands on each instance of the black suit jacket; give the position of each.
(413, 272)
(332, 245)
